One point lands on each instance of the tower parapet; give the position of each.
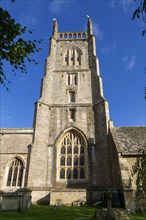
(72, 35)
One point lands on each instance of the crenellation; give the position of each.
(72, 35)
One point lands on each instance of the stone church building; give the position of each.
(73, 153)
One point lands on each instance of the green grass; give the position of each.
(138, 217)
(49, 213)
(40, 212)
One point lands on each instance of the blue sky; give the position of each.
(120, 49)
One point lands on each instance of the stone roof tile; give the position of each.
(129, 139)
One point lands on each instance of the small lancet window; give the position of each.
(82, 149)
(75, 173)
(74, 36)
(65, 36)
(62, 150)
(70, 35)
(61, 36)
(15, 176)
(72, 96)
(75, 150)
(75, 161)
(68, 173)
(72, 114)
(75, 79)
(79, 35)
(20, 176)
(69, 150)
(62, 161)
(81, 160)
(69, 161)
(62, 174)
(82, 173)
(83, 35)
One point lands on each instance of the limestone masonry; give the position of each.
(73, 153)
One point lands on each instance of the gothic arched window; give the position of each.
(15, 173)
(72, 56)
(72, 159)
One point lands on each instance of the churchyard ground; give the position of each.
(45, 212)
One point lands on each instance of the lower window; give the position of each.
(72, 158)
(15, 173)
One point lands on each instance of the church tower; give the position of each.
(70, 151)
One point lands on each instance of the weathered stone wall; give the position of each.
(71, 197)
(125, 144)
(14, 143)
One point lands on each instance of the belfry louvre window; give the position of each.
(72, 57)
(15, 173)
(72, 157)
(72, 78)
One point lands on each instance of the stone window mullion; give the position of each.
(73, 166)
(15, 173)
(13, 169)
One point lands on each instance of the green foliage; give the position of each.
(13, 47)
(140, 12)
(139, 169)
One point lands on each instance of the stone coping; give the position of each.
(16, 131)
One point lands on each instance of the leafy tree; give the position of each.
(140, 12)
(13, 47)
(139, 169)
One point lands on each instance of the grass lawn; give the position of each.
(55, 213)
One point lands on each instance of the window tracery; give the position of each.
(15, 173)
(72, 56)
(72, 157)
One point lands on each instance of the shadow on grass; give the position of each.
(44, 212)
(41, 212)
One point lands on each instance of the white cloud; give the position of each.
(56, 5)
(5, 117)
(27, 19)
(129, 62)
(106, 50)
(97, 31)
(112, 4)
(125, 59)
(109, 49)
(124, 3)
